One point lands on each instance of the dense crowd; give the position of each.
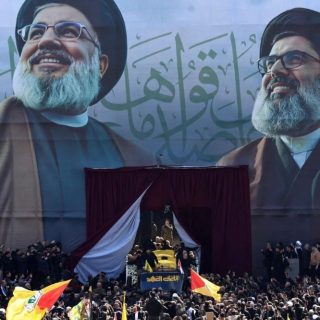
(242, 297)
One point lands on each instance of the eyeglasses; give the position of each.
(66, 31)
(290, 60)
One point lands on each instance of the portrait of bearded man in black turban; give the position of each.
(71, 54)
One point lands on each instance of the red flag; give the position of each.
(204, 286)
(51, 294)
(180, 266)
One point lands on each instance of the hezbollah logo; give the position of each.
(32, 301)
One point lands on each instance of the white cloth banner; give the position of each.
(108, 255)
(187, 240)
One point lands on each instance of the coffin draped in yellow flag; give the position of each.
(204, 287)
(32, 305)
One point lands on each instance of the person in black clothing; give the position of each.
(185, 262)
(280, 263)
(150, 257)
(305, 260)
(154, 307)
(171, 306)
(251, 309)
(290, 252)
(269, 312)
(298, 310)
(5, 293)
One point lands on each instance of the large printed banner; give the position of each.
(191, 77)
(185, 98)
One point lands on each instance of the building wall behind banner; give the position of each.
(186, 96)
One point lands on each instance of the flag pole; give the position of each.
(124, 307)
(90, 303)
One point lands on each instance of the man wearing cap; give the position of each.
(72, 53)
(284, 164)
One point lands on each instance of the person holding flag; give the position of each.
(81, 311)
(149, 260)
(76, 312)
(204, 287)
(32, 305)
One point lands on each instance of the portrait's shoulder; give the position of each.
(10, 102)
(243, 155)
(11, 107)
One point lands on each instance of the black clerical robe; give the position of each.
(276, 181)
(42, 173)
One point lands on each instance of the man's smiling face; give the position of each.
(51, 55)
(288, 102)
(59, 72)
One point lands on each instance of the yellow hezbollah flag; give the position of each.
(147, 267)
(32, 305)
(203, 286)
(124, 308)
(76, 312)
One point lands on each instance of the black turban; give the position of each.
(302, 21)
(106, 19)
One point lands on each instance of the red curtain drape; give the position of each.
(212, 204)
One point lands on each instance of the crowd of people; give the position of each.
(279, 259)
(242, 296)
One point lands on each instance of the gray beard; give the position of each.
(70, 94)
(292, 115)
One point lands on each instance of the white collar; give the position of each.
(75, 121)
(303, 143)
